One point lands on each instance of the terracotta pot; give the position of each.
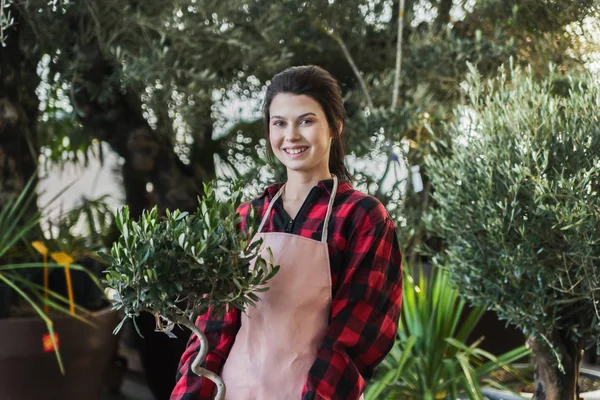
(29, 372)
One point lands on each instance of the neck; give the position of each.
(298, 185)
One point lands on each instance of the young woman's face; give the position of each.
(300, 135)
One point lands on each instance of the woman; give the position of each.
(331, 313)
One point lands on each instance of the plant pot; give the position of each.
(29, 372)
(494, 394)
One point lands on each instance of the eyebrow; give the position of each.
(300, 116)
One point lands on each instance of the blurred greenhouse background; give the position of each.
(126, 102)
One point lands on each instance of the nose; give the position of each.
(291, 133)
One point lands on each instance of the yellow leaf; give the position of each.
(62, 258)
(40, 247)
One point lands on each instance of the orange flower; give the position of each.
(40, 247)
(62, 258)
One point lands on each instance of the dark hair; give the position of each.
(318, 84)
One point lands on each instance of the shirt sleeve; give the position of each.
(364, 315)
(220, 330)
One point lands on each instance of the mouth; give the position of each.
(295, 150)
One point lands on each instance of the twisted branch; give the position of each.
(196, 364)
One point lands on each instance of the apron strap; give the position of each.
(329, 208)
(271, 204)
(327, 216)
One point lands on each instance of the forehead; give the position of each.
(290, 105)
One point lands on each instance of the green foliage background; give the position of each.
(174, 66)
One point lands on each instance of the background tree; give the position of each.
(517, 205)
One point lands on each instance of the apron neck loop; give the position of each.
(327, 216)
(271, 204)
(329, 208)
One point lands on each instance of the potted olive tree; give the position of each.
(178, 266)
(518, 200)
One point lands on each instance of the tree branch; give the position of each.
(196, 364)
(358, 74)
(444, 8)
(398, 56)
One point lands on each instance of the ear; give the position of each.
(340, 129)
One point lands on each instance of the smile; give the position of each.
(296, 150)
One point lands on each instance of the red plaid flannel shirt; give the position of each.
(367, 292)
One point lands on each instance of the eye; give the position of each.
(278, 123)
(306, 122)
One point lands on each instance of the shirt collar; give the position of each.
(326, 186)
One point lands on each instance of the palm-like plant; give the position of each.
(430, 359)
(17, 222)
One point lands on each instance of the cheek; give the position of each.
(274, 140)
(271, 138)
(323, 138)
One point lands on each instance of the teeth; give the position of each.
(296, 151)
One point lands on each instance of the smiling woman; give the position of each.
(331, 313)
(299, 136)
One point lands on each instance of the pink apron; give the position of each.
(278, 339)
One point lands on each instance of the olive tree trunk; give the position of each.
(19, 105)
(549, 382)
(117, 120)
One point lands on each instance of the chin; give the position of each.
(296, 168)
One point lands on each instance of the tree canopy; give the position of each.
(517, 205)
(152, 79)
